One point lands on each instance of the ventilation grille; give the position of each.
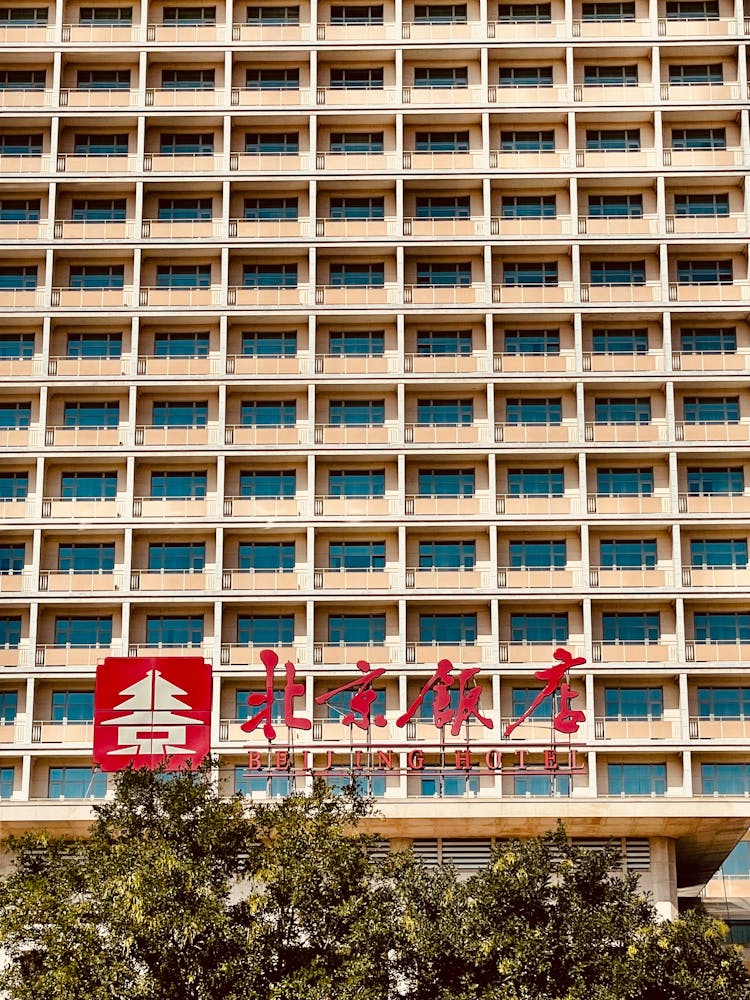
(426, 851)
(466, 854)
(637, 855)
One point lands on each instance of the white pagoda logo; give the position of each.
(156, 724)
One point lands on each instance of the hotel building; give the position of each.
(391, 332)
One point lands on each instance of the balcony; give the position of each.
(265, 507)
(29, 164)
(610, 30)
(617, 160)
(635, 96)
(270, 229)
(719, 729)
(347, 654)
(698, 28)
(533, 730)
(198, 34)
(95, 99)
(452, 580)
(85, 437)
(510, 505)
(357, 295)
(617, 433)
(353, 581)
(442, 96)
(618, 225)
(528, 161)
(167, 581)
(632, 578)
(22, 298)
(649, 361)
(386, 363)
(448, 295)
(701, 225)
(261, 436)
(566, 432)
(26, 34)
(535, 364)
(12, 732)
(477, 432)
(99, 34)
(23, 232)
(533, 295)
(361, 506)
(735, 291)
(11, 99)
(281, 33)
(355, 162)
(358, 229)
(64, 582)
(638, 730)
(478, 504)
(84, 508)
(67, 229)
(447, 31)
(199, 98)
(274, 164)
(93, 298)
(253, 580)
(647, 292)
(630, 505)
(265, 365)
(525, 97)
(22, 367)
(74, 656)
(204, 649)
(428, 653)
(244, 655)
(716, 576)
(446, 364)
(63, 731)
(704, 159)
(447, 161)
(175, 508)
(94, 166)
(182, 229)
(15, 656)
(716, 652)
(348, 435)
(545, 228)
(263, 298)
(181, 298)
(17, 582)
(19, 437)
(523, 653)
(153, 436)
(699, 93)
(446, 228)
(719, 362)
(661, 651)
(260, 99)
(714, 503)
(561, 578)
(177, 365)
(713, 433)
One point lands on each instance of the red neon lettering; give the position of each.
(264, 699)
(568, 719)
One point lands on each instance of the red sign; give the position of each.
(151, 709)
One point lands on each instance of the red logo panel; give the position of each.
(150, 708)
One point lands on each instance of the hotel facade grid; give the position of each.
(390, 332)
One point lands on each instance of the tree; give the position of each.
(181, 894)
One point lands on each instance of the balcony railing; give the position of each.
(449, 160)
(658, 502)
(187, 581)
(451, 228)
(446, 364)
(357, 228)
(735, 291)
(527, 161)
(74, 98)
(56, 655)
(439, 96)
(75, 508)
(354, 580)
(69, 229)
(713, 503)
(21, 231)
(520, 96)
(270, 229)
(99, 34)
(182, 298)
(435, 295)
(646, 292)
(77, 163)
(732, 156)
(22, 298)
(155, 436)
(62, 581)
(660, 651)
(533, 295)
(610, 30)
(182, 229)
(524, 31)
(178, 365)
(618, 225)
(458, 579)
(17, 582)
(265, 580)
(716, 652)
(510, 505)
(10, 164)
(271, 163)
(616, 159)
(346, 97)
(26, 98)
(198, 33)
(605, 433)
(515, 578)
(244, 655)
(255, 97)
(386, 363)
(536, 364)
(265, 297)
(199, 98)
(345, 654)
(638, 95)
(713, 432)
(699, 225)
(521, 653)
(477, 432)
(262, 436)
(63, 731)
(335, 435)
(204, 648)
(337, 506)
(719, 729)
(698, 27)
(357, 295)
(649, 361)
(478, 504)
(355, 162)
(449, 31)
(93, 298)
(85, 437)
(699, 93)
(261, 364)
(715, 576)
(522, 228)
(421, 653)
(639, 730)
(175, 508)
(242, 32)
(739, 361)
(566, 432)
(265, 507)
(632, 577)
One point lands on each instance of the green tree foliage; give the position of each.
(181, 894)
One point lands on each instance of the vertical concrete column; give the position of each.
(662, 882)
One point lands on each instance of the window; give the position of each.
(176, 16)
(699, 138)
(98, 210)
(269, 343)
(357, 275)
(180, 557)
(8, 706)
(265, 630)
(266, 556)
(529, 206)
(618, 410)
(369, 785)
(268, 413)
(724, 703)
(23, 16)
(17, 345)
(12, 558)
(76, 783)
(262, 483)
(269, 276)
(541, 785)
(523, 698)
(359, 343)
(356, 483)
(174, 630)
(618, 272)
(525, 76)
(92, 276)
(272, 78)
(625, 482)
(633, 703)
(525, 13)
(357, 208)
(356, 142)
(15, 416)
(440, 13)
(271, 208)
(88, 485)
(725, 779)
(627, 553)
(80, 557)
(21, 145)
(447, 555)
(22, 79)
(448, 77)
(536, 342)
(337, 705)
(356, 555)
(444, 342)
(536, 482)
(721, 626)
(633, 341)
(692, 10)
(10, 631)
(696, 73)
(611, 76)
(442, 142)
(356, 412)
(103, 79)
(533, 411)
(718, 553)
(426, 711)
(535, 629)
(452, 629)
(19, 277)
(621, 140)
(718, 481)
(443, 207)
(179, 485)
(639, 627)
(737, 865)
(181, 344)
(637, 779)
(711, 409)
(704, 272)
(80, 631)
(356, 630)
(101, 144)
(537, 554)
(184, 209)
(444, 273)
(701, 204)
(244, 711)
(445, 412)
(527, 141)
(188, 79)
(272, 142)
(73, 706)
(20, 210)
(179, 413)
(356, 78)
(117, 16)
(620, 10)
(183, 276)
(247, 783)
(80, 414)
(186, 143)
(529, 274)
(610, 206)
(447, 482)
(273, 15)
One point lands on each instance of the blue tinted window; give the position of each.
(356, 483)
(711, 409)
(718, 553)
(445, 412)
(265, 630)
(79, 631)
(624, 482)
(446, 482)
(722, 626)
(724, 702)
(75, 706)
(708, 340)
(269, 276)
(618, 272)
(444, 273)
(356, 555)
(637, 779)
(15, 416)
(12, 558)
(357, 343)
(447, 555)
(8, 706)
(174, 630)
(91, 414)
(533, 411)
(76, 783)
(91, 276)
(725, 779)
(529, 273)
(618, 410)
(259, 483)
(88, 485)
(356, 629)
(356, 412)
(10, 631)
(616, 341)
(17, 345)
(81, 557)
(444, 342)
(176, 556)
(539, 628)
(268, 413)
(631, 626)
(356, 274)
(633, 703)
(14, 485)
(627, 553)
(536, 482)
(94, 345)
(181, 345)
(190, 485)
(717, 481)
(537, 554)
(448, 628)
(268, 556)
(269, 344)
(180, 413)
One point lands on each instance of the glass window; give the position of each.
(704, 272)
(337, 705)
(80, 414)
(440, 13)
(262, 483)
(12, 558)
(608, 75)
(529, 273)
(725, 779)
(737, 865)
(724, 702)
(265, 630)
(639, 627)
(609, 206)
(547, 628)
(447, 555)
(19, 277)
(179, 485)
(22, 79)
(186, 143)
(355, 630)
(76, 783)
(356, 142)
(357, 274)
(269, 276)
(8, 707)
(537, 554)
(274, 786)
(620, 341)
(441, 76)
(94, 345)
(447, 482)
(90, 276)
(179, 413)
(719, 481)
(271, 142)
(533, 411)
(625, 482)
(607, 10)
(525, 76)
(103, 79)
(527, 140)
(90, 557)
(10, 631)
(21, 145)
(444, 273)
(268, 14)
(452, 629)
(356, 78)
(101, 144)
(356, 412)
(457, 206)
(244, 711)
(718, 553)
(696, 73)
(523, 698)
(20, 209)
(600, 140)
(118, 16)
(356, 555)
(637, 779)
(183, 276)
(699, 138)
(633, 703)
(266, 556)
(444, 342)
(358, 343)
(372, 207)
(529, 206)
(15, 416)
(618, 410)
(445, 412)
(708, 340)
(692, 10)
(536, 482)
(356, 483)
(271, 208)
(525, 13)
(83, 631)
(711, 409)
(182, 344)
(183, 557)
(366, 784)
(722, 626)
(627, 553)
(188, 79)
(618, 272)
(174, 630)
(269, 343)
(88, 485)
(23, 16)
(17, 345)
(701, 204)
(541, 785)
(442, 142)
(268, 413)
(73, 706)
(189, 15)
(536, 342)
(181, 209)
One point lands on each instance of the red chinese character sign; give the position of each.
(148, 709)
(566, 719)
